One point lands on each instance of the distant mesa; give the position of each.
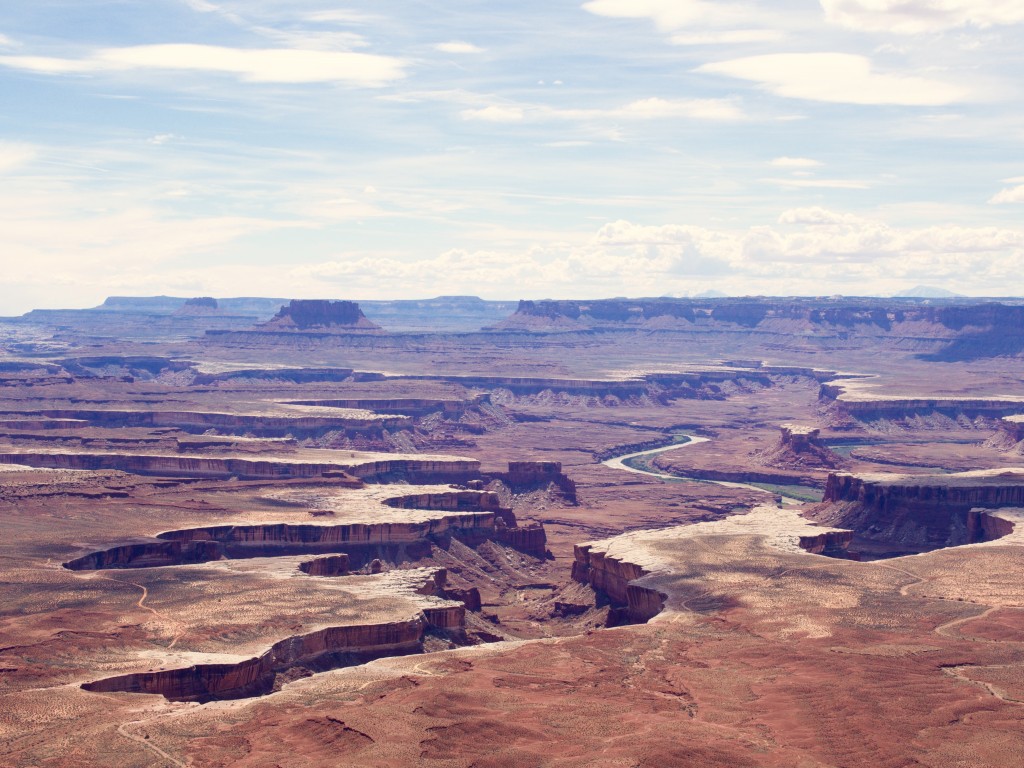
(578, 315)
(319, 314)
(201, 305)
(928, 292)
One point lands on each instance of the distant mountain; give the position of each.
(927, 292)
(712, 294)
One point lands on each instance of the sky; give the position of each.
(368, 150)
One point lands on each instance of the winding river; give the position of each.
(619, 462)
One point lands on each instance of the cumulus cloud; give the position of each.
(835, 77)
(261, 65)
(458, 46)
(921, 16)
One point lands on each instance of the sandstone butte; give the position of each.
(655, 532)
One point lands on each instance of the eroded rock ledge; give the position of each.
(903, 514)
(317, 651)
(477, 516)
(614, 580)
(364, 467)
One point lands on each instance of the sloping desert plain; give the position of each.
(732, 532)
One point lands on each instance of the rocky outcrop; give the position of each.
(1009, 435)
(331, 565)
(984, 526)
(799, 446)
(324, 649)
(317, 314)
(529, 538)
(830, 544)
(470, 598)
(524, 476)
(614, 580)
(461, 500)
(918, 513)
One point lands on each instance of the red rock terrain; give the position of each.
(300, 543)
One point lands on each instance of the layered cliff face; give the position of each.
(613, 580)
(362, 542)
(324, 649)
(331, 565)
(830, 544)
(864, 405)
(421, 470)
(315, 314)
(468, 516)
(900, 514)
(524, 476)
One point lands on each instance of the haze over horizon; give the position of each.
(579, 150)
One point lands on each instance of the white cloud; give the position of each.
(801, 183)
(267, 65)
(666, 14)
(701, 109)
(653, 108)
(729, 37)
(835, 77)
(457, 46)
(340, 17)
(5, 40)
(920, 16)
(795, 162)
(15, 155)
(1009, 195)
(494, 114)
